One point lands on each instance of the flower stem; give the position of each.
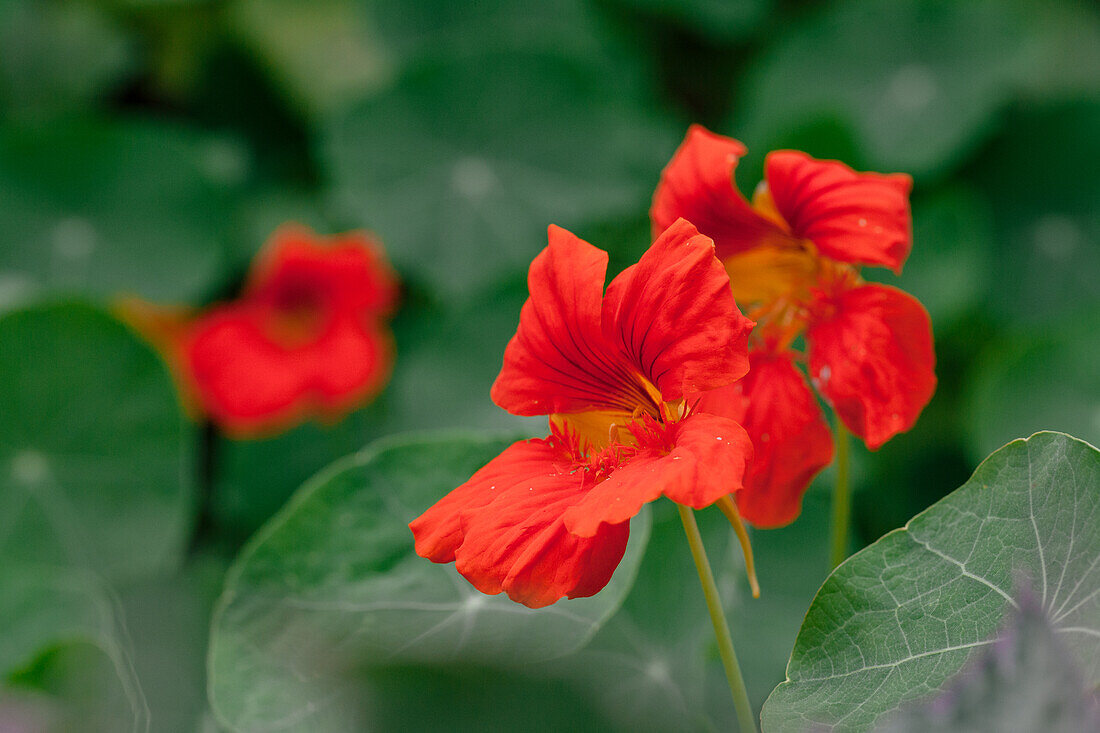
(729, 508)
(842, 500)
(746, 719)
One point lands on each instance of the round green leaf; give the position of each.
(1026, 681)
(899, 618)
(331, 589)
(462, 166)
(95, 455)
(918, 81)
(46, 613)
(121, 208)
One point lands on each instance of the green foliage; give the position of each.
(1057, 373)
(58, 57)
(462, 165)
(1046, 231)
(899, 618)
(95, 457)
(47, 610)
(890, 70)
(716, 20)
(331, 588)
(119, 208)
(149, 147)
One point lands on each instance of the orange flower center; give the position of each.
(295, 313)
(780, 278)
(600, 431)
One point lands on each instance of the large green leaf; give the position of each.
(125, 207)
(899, 618)
(918, 80)
(95, 455)
(461, 167)
(1026, 681)
(331, 589)
(52, 616)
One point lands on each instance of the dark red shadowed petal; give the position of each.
(790, 437)
(697, 185)
(504, 530)
(558, 360)
(871, 356)
(673, 317)
(852, 217)
(346, 272)
(696, 462)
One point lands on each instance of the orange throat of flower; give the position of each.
(778, 280)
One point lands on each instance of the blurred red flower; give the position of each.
(306, 338)
(793, 256)
(618, 374)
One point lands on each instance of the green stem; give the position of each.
(842, 500)
(745, 718)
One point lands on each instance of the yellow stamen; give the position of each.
(730, 510)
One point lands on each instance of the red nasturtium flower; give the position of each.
(618, 374)
(793, 256)
(306, 338)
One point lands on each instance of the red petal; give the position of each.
(697, 185)
(849, 216)
(673, 317)
(871, 356)
(250, 383)
(245, 381)
(790, 437)
(350, 362)
(504, 530)
(705, 461)
(558, 360)
(347, 272)
(519, 543)
(438, 531)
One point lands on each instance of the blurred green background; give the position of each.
(148, 147)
